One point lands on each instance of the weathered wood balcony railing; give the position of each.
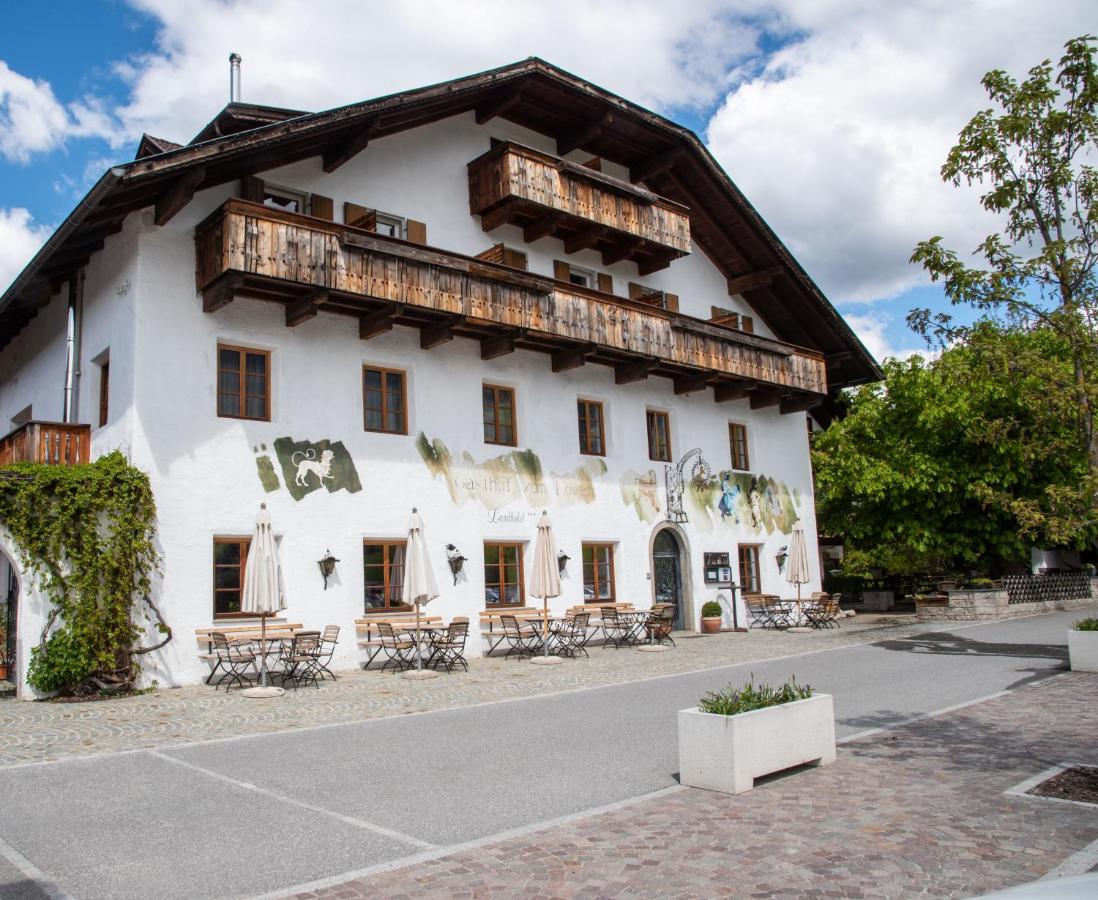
(310, 264)
(53, 443)
(546, 195)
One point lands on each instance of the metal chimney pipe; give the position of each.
(234, 77)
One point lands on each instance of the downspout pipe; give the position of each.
(72, 347)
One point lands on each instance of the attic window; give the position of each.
(285, 199)
(393, 226)
(582, 277)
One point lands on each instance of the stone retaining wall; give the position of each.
(973, 606)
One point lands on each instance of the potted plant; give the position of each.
(1083, 645)
(711, 617)
(737, 735)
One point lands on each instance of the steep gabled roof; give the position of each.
(152, 146)
(667, 157)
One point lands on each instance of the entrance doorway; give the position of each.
(667, 573)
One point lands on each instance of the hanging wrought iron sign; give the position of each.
(675, 481)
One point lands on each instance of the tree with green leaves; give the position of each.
(1034, 156)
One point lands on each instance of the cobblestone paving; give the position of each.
(33, 732)
(916, 811)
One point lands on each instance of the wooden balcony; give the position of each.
(307, 264)
(546, 195)
(52, 443)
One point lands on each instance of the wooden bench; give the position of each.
(242, 634)
(369, 637)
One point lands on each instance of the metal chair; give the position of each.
(571, 635)
(756, 608)
(522, 639)
(234, 661)
(301, 662)
(658, 625)
(448, 648)
(328, 641)
(400, 652)
(823, 613)
(779, 613)
(617, 629)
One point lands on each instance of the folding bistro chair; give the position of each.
(448, 648)
(233, 660)
(571, 635)
(658, 625)
(400, 651)
(523, 639)
(823, 613)
(616, 628)
(328, 641)
(301, 661)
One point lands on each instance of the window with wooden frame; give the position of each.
(653, 297)
(384, 223)
(230, 558)
(737, 444)
(505, 256)
(499, 415)
(104, 391)
(285, 199)
(504, 584)
(659, 436)
(384, 400)
(243, 383)
(750, 582)
(598, 573)
(601, 281)
(383, 575)
(591, 432)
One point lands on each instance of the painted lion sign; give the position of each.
(308, 466)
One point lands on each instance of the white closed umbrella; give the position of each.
(796, 571)
(419, 578)
(264, 593)
(545, 582)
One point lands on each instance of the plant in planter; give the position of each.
(1083, 645)
(736, 735)
(711, 617)
(980, 584)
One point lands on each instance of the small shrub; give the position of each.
(711, 608)
(1087, 625)
(733, 700)
(981, 584)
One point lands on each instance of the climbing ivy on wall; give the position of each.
(87, 532)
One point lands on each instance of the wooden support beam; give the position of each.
(305, 308)
(627, 373)
(798, 404)
(585, 239)
(763, 398)
(573, 358)
(501, 215)
(620, 252)
(655, 165)
(337, 155)
(753, 280)
(178, 195)
(221, 292)
(541, 228)
(725, 391)
(378, 322)
(499, 106)
(654, 263)
(431, 336)
(690, 384)
(575, 139)
(500, 345)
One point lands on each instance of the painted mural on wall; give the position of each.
(639, 490)
(512, 477)
(308, 466)
(757, 503)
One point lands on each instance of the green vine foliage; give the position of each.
(88, 533)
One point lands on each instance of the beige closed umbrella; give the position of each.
(545, 581)
(796, 571)
(263, 593)
(419, 585)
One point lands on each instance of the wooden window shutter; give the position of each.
(671, 302)
(493, 254)
(594, 163)
(747, 324)
(636, 290)
(321, 207)
(516, 259)
(359, 216)
(561, 270)
(252, 188)
(416, 231)
(718, 315)
(606, 283)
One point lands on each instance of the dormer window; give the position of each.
(285, 199)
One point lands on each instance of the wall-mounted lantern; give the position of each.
(781, 556)
(562, 561)
(327, 566)
(456, 560)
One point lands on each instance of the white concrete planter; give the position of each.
(1083, 650)
(727, 753)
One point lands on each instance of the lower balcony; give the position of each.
(307, 264)
(51, 443)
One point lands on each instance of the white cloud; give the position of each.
(870, 328)
(839, 139)
(20, 238)
(32, 120)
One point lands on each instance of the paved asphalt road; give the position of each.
(244, 817)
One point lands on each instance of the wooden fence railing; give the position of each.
(52, 443)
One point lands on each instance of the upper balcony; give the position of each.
(546, 195)
(309, 264)
(52, 443)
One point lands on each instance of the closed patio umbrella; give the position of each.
(263, 593)
(796, 571)
(545, 582)
(419, 580)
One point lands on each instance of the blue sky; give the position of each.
(833, 117)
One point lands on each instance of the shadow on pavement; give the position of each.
(953, 645)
